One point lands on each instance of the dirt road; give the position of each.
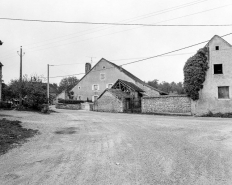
(78, 147)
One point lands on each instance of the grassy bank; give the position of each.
(12, 134)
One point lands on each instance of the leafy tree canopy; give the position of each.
(172, 87)
(67, 84)
(194, 73)
(33, 91)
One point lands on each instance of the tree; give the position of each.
(194, 73)
(154, 83)
(167, 87)
(34, 92)
(66, 84)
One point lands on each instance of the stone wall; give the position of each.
(68, 106)
(87, 106)
(108, 103)
(167, 104)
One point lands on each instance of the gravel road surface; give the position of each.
(82, 148)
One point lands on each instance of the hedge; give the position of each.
(70, 101)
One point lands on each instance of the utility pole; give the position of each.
(48, 86)
(1, 76)
(1, 81)
(20, 75)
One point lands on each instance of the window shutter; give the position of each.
(98, 87)
(92, 87)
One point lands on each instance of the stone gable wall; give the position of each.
(149, 91)
(108, 103)
(166, 104)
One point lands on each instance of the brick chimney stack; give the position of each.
(87, 67)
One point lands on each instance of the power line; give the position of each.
(170, 52)
(132, 28)
(147, 57)
(118, 24)
(136, 18)
(126, 29)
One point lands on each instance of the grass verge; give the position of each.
(12, 134)
(219, 114)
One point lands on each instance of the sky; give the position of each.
(70, 46)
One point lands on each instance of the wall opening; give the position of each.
(218, 69)
(223, 92)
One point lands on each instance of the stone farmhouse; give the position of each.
(103, 75)
(123, 96)
(217, 88)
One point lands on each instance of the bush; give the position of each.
(70, 101)
(194, 73)
(219, 114)
(5, 105)
(45, 109)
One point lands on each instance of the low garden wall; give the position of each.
(180, 104)
(68, 106)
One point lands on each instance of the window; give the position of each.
(103, 67)
(79, 97)
(216, 47)
(223, 92)
(102, 76)
(109, 85)
(95, 87)
(217, 68)
(94, 98)
(79, 87)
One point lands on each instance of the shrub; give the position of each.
(219, 114)
(194, 73)
(70, 101)
(45, 109)
(5, 105)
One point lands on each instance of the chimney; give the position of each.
(87, 67)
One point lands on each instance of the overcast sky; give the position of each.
(57, 43)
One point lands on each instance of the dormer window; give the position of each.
(216, 47)
(218, 69)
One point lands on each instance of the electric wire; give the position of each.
(148, 57)
(119, 24)
(134, 19)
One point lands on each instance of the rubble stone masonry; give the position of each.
(166, 104)
(108, 103)
(68, 106)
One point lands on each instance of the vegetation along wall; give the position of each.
(166, 104)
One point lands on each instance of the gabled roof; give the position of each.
(52, 88)
(219, 38)
(128, 85)
(116, 93)
(126, 73)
